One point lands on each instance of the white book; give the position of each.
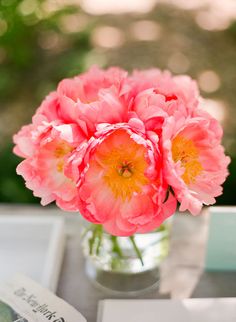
(188, 310)
(32, 245)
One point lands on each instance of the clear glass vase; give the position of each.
(125, 264)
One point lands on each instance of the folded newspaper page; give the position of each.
(23, 300)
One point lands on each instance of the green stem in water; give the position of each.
(137, 251)
(99, 237)
(116, 247)
(95, 240)
(91, 242)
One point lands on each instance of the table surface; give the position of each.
(182, 274)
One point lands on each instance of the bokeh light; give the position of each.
(209, 81)
(145, 30)
(107, 37)
(216, 108)
(3, 26)
(117, 7)
(73, 23)
(178, 63)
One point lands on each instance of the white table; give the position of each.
(182, 275)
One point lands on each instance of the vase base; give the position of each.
(121, 283)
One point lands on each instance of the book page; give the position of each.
(189, 310)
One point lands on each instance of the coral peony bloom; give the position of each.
(121, 185)
(174, 88)
(91, 98)
(43, 169)
(86, 87)
(195, 165)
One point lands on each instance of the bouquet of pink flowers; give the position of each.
(123, 149)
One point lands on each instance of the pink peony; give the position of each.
(194, 162)
(181, 89)
(85, 98)
(123, 149)
(120, 184)
(43, 168)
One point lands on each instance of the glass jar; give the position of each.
(125, 264)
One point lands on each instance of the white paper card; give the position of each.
(221, 246)
(189, 310)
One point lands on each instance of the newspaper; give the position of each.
(23, 300)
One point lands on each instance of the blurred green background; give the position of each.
(42, 42)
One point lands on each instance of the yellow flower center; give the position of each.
(60, 165)
(62, 149)
(124, 165)
(185, 151)
(125, 169)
